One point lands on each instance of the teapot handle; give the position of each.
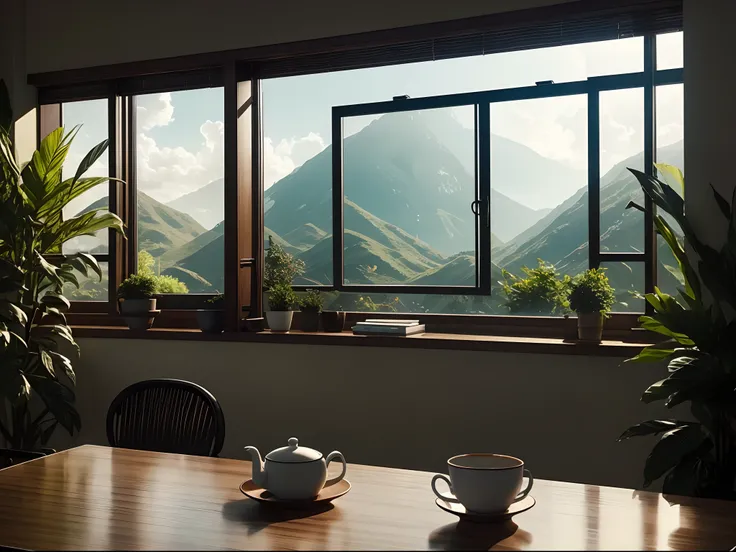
(330, 457)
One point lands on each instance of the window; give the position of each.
(405, 177)
(412, 174)
(91, 119)
(180, 189)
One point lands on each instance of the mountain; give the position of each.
(400, 169)
(203, 270)
(517, 171)
(160, 228)
(206, 204)
(564, 240)
(173, 256)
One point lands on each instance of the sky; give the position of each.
(180, 134)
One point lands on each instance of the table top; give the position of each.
(103, 498)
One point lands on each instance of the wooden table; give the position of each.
(102, 498)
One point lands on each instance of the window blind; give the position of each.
(557, 25)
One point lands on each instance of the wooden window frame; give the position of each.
(239, 72)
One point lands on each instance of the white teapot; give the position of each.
(294, 472)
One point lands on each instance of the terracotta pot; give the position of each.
(309, 320)
(590, 326)
(279, 321)
(211, 321)
(333, 321)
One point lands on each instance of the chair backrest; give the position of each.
(166, 415)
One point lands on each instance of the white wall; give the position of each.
(133, 30)
(396, 407)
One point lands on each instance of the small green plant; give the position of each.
(590, 292)
(164, 282)
(138, 286)
(216, 301)
(280, 267)
(282, 298)
(366, 304)
(541, 293)
(312, 301)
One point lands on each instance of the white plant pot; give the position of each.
(279, 321)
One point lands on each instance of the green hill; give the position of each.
(173, 256)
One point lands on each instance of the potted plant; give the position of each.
(212, 318)
(311, 308)
(281, 300)
(591, 297)
(136, 297)
(37, 349)
(695, 456)
(333, 319)
(280, 267)
(541, 293)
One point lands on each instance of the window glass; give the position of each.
(91, 287)
(179, 174)
(91, 118)
(670, 150)
(539, 200)
(669, 51)
(409, 182)
(628, 281)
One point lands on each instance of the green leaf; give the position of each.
(68, 277)
(59, 399)
(652, 427)
(653, 325)
(51, 271)
(89, 159)
(57, 301)
(723, 205)
(48, 362)
(672, 173)
(12, 312)
(671, 448)
(653, 353)
(63, 363)
(85, 224)
(91, 262)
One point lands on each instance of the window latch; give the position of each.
(404, 97)
(545, 82)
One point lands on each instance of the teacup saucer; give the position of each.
(460, 511)
(327, 494)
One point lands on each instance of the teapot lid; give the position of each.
(294, 454)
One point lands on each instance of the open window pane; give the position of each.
(408, 183)
(91, 287)
(627, 280)
(670, 133)
(91, 117)
(622, 148)
(539, 200)
(180, 186)
(670, 53)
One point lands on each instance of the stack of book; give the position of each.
(378, 326)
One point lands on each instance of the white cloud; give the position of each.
(166, 173)
(281, 159)
(154, 111)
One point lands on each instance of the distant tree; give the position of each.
(164, 283)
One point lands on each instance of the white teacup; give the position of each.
(484, 483)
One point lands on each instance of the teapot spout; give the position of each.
(259, 472)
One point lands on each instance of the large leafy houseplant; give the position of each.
(695, 457)
(36, 343)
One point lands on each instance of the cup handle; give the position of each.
(440, 495)
(522, 495)
(330, 457)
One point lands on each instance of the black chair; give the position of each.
(166, 415)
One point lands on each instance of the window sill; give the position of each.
(455, 342)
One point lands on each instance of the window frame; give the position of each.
(647, 80)
(244, 179)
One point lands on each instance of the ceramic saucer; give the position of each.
(460, 511)
(327, 494)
